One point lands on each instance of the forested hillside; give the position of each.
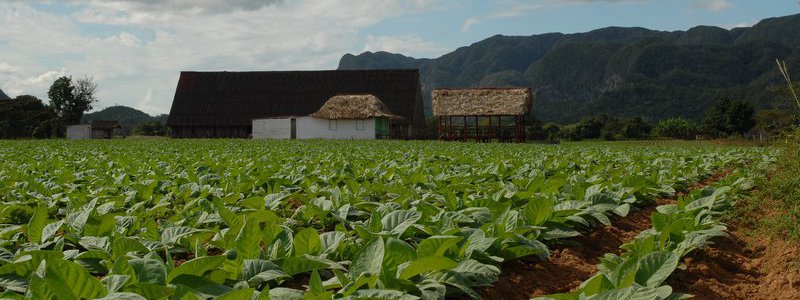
(619, 71)
(127, 117)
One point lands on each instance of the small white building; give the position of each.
(96, 130)
(79, 132)
(341, 117)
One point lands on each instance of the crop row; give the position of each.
(319, 220)
(677, 229)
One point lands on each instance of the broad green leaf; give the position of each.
(368, 260)
(655, 267)
(197, 266)
(149, 270)
(307, 241)
(427, 264)
(201, 286)
(247, 242)
(397, 222)
(436, 245)
(37, 224)
(69, 280)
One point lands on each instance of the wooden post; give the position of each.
(440, 128)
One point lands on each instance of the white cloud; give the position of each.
(516, 8)
(468, 23)
(137, 63)
(712, 5)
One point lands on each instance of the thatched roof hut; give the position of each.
(365, 106)
(482, 102)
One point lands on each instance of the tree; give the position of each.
(26, 116)
(677, 128)
(71, 101)
(154, 128)
(727, 117)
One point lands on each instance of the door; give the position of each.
(294, 129)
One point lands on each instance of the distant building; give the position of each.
(224, 104)
(95, 130)
(342, 117)
(482, 114)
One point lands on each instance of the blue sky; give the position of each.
(135, 49)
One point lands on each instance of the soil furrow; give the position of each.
(574, 260)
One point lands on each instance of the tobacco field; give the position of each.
(244, 219)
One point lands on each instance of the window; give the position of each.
(359, 124)
(331, 124)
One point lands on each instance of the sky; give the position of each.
(136, 49)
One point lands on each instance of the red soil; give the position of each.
(742, 267)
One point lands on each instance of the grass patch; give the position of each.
(775, 205)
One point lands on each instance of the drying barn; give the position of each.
(224, 104)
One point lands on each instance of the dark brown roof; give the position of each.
(233, 99)
(105, 125)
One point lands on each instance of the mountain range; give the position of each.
(620, 71)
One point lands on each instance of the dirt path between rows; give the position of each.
(744, 266)
(574, 260)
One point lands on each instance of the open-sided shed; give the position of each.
(482, 114)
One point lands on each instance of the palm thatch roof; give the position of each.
(364, 106)
(481, 102)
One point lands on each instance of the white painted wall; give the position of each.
(79, 132)
(272, 128)
(314, 128)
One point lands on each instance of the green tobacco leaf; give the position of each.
(295, 265)
(368, 260)
(37, 224)
(149, 270)
(427, 264)
(49, 231)
(115, 283)
(12, 282)
(397, 222)
(150, 291)
(538, 211)
(237, 294)
(436, 245)
(123, 296)
(655, 267)
(247, 242)
(197, 266)
(122, 246)
(201, 286)
(307, 241)
(70, 280)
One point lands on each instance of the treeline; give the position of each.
(27, 116)
(726, 118)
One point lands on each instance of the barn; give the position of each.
(482, 114)
(224, 104)
(342, 117)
